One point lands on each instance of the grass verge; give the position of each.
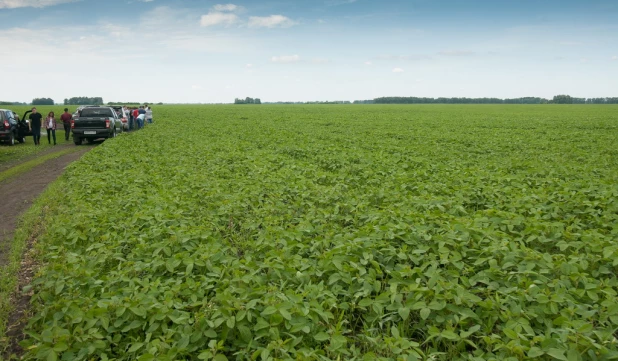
(31, 225)
(19, 151)
(26, 166)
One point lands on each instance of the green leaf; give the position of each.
(52, 356)
(220, 357)
(535, 352)
(136, 346)
(322, 336)
(245, 333)
(205, 355)
(231, 322)
(510, 333)
(425, 313)
(404, 313)
(573, 355)
(557, 354)
(285, 314)
(449, 334)
(269, 311)
(60, 346)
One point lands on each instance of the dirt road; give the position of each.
(16, 196)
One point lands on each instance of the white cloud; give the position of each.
(285, 59)
(368, 63)
(12, 4)
(320, 61)
(226, 7)
(249, 66)
(398, 70)
(614, 57)
(217, 18)
(456, 53)
(414, 57)
(270, 21)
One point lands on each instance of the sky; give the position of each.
(191, 51)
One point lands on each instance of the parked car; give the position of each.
(94, 123)
(125, 120)
(9, 128)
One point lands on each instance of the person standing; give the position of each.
(35, 126)
(135, 113)
(50, 125)
(149, 115)
(66, 118)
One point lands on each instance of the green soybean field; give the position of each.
(336, 232)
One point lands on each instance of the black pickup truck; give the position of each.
(95, 122)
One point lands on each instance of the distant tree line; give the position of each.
(558, 99)
(247, 100)
(315, 102)
(42, 101)
(11, 103)
(567, 99)
(84, 101)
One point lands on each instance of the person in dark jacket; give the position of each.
(66, 118)
(35, 126)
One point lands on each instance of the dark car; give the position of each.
(94, 123)
(9, 128)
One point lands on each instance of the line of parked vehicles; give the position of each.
(90, 122)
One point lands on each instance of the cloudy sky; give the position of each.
(284, 50)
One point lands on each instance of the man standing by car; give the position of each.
(35, 126)
(66, 118)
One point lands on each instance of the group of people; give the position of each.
(137, 118)
(36, 121)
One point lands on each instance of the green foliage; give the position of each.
(247, 100)
(84, 101)
(42, 101)
(338, 233)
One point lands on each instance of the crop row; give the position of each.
(338, 232)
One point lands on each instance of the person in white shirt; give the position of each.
(140, 120)
(149, 115)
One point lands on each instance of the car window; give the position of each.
(9, 114)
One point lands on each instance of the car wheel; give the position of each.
(22, 140)
(11, 140)
(77, 141)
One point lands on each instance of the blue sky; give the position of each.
(213, 51)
